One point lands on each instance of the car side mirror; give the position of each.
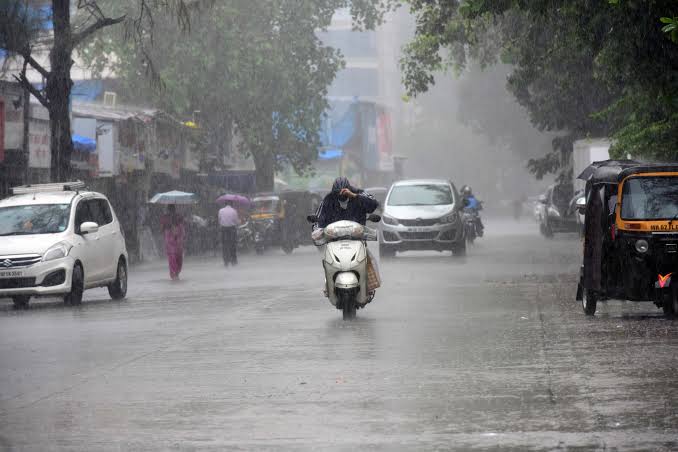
(581, 204)
(374, 218)
(88, 227)
(312, 218)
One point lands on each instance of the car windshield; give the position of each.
(34, 219)
(420, 195)
(650, 198)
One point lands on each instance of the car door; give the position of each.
(109, 237)
(86, 244)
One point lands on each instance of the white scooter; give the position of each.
(345, 262)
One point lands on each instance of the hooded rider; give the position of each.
(345, 202)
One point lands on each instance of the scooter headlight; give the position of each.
(642, 246)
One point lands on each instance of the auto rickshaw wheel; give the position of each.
(589, 300)
(670, 303)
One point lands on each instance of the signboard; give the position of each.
(106, 150)
(384, 145)
(39, 153)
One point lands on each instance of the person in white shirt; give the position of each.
(228, 223)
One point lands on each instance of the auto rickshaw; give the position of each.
(630, 234)
(279, 219)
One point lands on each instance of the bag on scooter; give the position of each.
(373, 276)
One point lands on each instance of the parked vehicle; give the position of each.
(278, 219)
(631, 234)
(555, 213)
(346, 263)
(422, 215)
(59, 240)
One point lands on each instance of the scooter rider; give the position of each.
(345, 202)
(473, 204)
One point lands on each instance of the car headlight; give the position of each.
(451, 218)
(389, 220)
(642, 246)
(57, 251)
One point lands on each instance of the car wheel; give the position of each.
(74, 297)
(589, 301)
(118, 288)
(459, 249)
(386, 251)
(21, 301)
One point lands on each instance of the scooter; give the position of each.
(345, 262)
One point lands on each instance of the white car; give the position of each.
(56, 240)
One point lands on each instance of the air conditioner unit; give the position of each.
(110, 98)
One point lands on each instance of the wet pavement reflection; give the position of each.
(487, 352)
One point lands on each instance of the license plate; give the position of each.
(416, 229)
(11, 274)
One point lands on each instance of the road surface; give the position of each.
(486, 352)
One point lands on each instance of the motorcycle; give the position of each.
(471, 221)
(245, 237)
(346, 263)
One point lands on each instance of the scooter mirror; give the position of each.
(312, 218)
(374, 218)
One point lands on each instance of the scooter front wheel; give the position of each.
(348, 306)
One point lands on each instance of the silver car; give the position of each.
(422, 215)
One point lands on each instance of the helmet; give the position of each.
(466, 190)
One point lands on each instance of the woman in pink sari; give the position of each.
(175, 233)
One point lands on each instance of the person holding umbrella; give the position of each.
(228, 223)
(173, 228)
(174, 232)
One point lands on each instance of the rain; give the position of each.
(338, 224)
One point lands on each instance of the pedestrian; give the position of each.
(174, 233)
(228, 223)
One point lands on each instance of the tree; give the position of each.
(23, 26)
(257, 65)
(581, 68)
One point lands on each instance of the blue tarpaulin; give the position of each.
(83, 144)
(330, 154)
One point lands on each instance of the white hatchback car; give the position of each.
(56, 240)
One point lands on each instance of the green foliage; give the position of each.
(255, 64)
(581, 68)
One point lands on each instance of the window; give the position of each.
(420, 195)
(105, 210)
(82, 215)
(650, 198)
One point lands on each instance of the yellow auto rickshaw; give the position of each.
(630, 234)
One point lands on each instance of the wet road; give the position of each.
(483, 353)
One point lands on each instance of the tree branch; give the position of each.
(78, 38)
(35, 65)
(21, 78)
